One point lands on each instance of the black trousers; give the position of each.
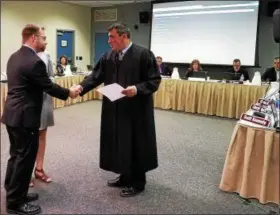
(23, 151)
(136, 179)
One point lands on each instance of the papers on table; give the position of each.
(112, 91)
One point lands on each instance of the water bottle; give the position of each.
(175, 73)
(242, 78)
(257, 79)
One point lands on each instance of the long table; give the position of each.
(219, 99)
(225, 100)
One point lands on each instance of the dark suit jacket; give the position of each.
(164, 70)
(59, 69)
(27, 79)
(269, 74)
(241, 72)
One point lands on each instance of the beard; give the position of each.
(40, 47)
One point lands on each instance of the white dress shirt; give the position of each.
(44, 57)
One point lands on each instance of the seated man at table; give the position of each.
(237, 71)
(163, 69)
(272, 73)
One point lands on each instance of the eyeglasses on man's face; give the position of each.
(44, 37)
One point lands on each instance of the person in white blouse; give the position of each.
(47, 120)
(63, 67)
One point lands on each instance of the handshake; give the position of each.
(75, 90)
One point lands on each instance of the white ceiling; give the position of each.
(100, 3)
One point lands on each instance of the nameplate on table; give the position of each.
(264, 102)
(255, 120)
(260, 108)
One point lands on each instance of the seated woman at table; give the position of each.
(63, 68)
(194, 67)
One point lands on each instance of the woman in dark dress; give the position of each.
(47, 120)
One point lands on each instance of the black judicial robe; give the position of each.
(127, 134)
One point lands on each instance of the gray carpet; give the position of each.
(192, 150)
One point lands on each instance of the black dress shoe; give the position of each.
(131, 191)
(25, 209)
(116, 183)
(31, 197)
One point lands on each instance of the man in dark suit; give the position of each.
(237, 71)
(272, 73)
(163, 69)
(27, 79)
(128, 137)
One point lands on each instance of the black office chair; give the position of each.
(74, 69)
(89, 67)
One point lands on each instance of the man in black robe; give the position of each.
(128, 136)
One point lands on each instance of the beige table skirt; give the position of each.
(225, 100)
(66, 82)
(252, 164)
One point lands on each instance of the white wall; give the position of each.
(50, 14)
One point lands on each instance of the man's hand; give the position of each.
(75, 91)
(79, 88)
(130, 91)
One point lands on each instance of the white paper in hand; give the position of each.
(112, 91)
